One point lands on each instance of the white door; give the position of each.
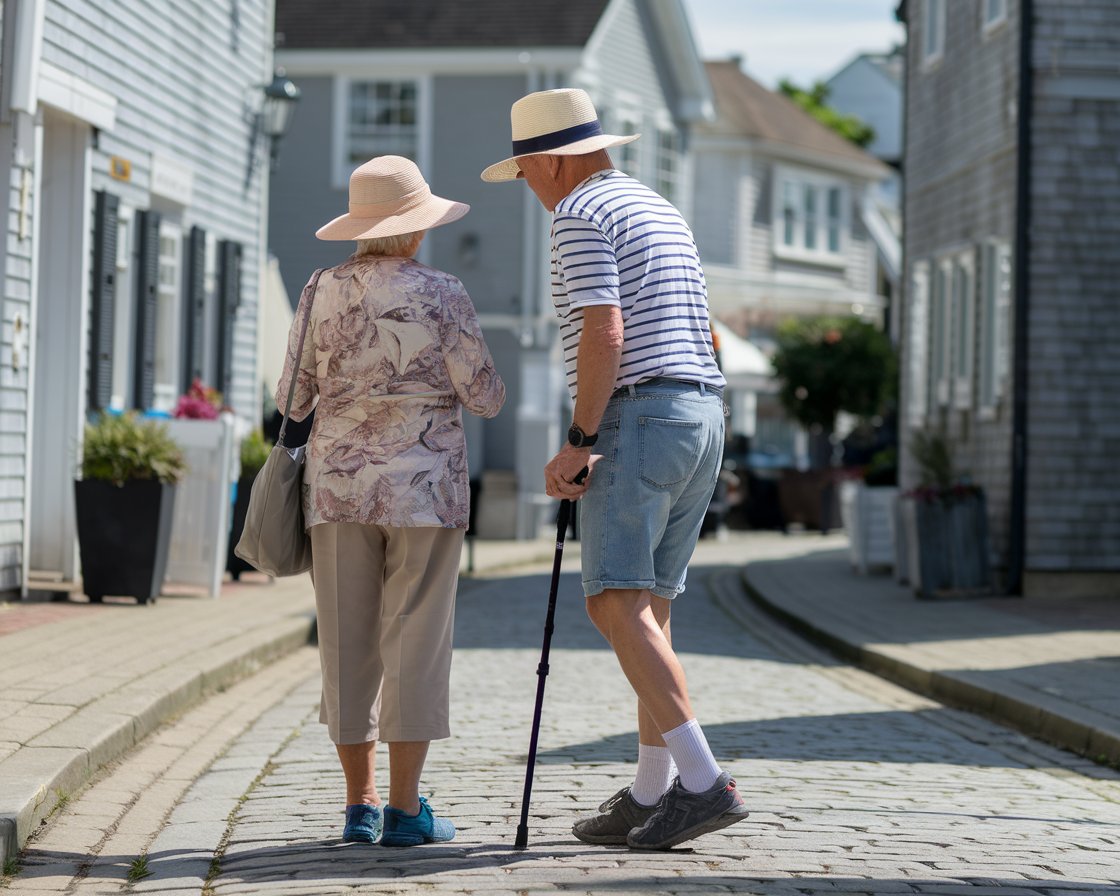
(59, 316)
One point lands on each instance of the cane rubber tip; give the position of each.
(522, 839)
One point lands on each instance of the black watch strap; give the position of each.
(577, 438)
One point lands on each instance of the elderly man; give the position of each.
(630, 294)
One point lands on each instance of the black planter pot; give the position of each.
(947, 546)
(123, 535)
(234, 564)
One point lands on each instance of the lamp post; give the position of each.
(280, 98)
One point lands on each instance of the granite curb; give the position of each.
(38, 774)
(1049, 719)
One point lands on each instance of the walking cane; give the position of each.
(542, 669)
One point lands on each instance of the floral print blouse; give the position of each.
(393, 353)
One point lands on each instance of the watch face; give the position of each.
(575, 437)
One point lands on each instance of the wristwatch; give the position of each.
(577, 438)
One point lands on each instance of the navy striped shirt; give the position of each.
(617, 242)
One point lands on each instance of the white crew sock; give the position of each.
(656, 771)
(695, 762)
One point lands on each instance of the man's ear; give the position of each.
(555, 163)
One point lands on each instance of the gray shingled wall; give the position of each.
(960, 190)
(1073, 498)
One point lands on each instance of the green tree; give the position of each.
(826, 365)
(815, 102)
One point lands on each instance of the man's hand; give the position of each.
(561, 471)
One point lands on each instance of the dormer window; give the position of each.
(811, 216)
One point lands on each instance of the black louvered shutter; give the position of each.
(194, 308)
(147, 304)
(229, 298)
(103, 299)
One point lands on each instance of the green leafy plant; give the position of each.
(882, 468)
(121, 447)
(938, 478)
(826, 365)
(815, 102)
(255, 449)
(138, 869)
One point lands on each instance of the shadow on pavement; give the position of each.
(875, 737)
(314, 864)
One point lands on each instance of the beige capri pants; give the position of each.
(385, 598)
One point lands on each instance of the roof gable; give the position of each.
(395, 24)
(746, 108)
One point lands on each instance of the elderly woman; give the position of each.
(393, 353)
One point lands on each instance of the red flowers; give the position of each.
(200, 403)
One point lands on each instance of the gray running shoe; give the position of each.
(618, 816)
(682, 815)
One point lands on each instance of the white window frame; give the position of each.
(963, 333)
(995, 324)
(993, 14)
(940, 309)
(803, 183)
(169, 316)
(669, 161)
(624, 116)
(918, 321)
(933, 32)
(341, 162)
(123, 301)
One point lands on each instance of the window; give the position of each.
(381, 119)
(933, 31)
(812, 217)
(963, 333)
(994, 14)
(628, 152)
(668, 164)
(168, 316)
(995, 322)
(918, 332)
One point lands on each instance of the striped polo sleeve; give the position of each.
(585, 261)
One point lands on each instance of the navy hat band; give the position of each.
(545, 142)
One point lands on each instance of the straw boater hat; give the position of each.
(556, 122)
(388, 197)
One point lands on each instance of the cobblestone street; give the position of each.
(855, 786)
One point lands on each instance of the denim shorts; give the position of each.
(661, 444)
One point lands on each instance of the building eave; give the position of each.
(481, 60)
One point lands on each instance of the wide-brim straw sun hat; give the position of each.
(556, 122)
(389, 197)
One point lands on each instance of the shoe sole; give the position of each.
(727, 819)
(402, 839)
(359, 838)
(601, 839)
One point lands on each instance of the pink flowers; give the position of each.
(200, 403)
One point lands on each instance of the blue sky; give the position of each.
(805, 40)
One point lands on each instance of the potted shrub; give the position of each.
(867, 505)
(125, 500)
(945, 524)
(255, 449)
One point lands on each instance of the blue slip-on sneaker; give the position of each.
(363, 824)
(402, 829)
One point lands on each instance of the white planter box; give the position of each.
(200, 527)
(868, 514)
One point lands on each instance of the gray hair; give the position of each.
(403, 244)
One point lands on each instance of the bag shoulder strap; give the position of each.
(313, 286)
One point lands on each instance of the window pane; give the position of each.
(667, 164)
(834, 219)
(789, 212)
(383, 120)
(810, 217)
